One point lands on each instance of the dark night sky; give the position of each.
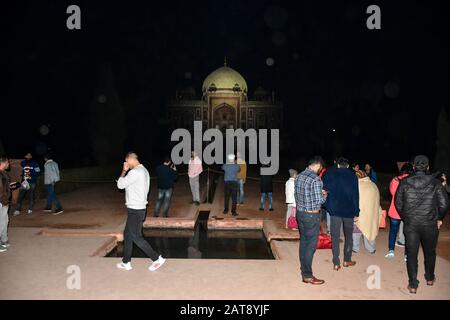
(380, 89)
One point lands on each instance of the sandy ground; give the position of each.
(36, 266)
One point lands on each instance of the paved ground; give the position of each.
(35, 267)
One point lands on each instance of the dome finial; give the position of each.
(225, 61)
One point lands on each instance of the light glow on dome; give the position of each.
(225, 78)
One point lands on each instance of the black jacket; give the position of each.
(166, 176)
(421, 199)
(266, 183)
(5, 191)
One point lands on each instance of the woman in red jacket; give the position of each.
(396, 221)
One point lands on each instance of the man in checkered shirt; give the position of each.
(309, 197)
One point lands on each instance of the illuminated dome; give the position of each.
(224, 78)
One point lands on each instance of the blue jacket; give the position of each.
(373, 176)
(343, 196)
(30, 171)
(231, 171)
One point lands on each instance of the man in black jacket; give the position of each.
(422, 203)
(167, 174)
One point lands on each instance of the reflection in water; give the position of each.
(193, 251)
(201, 244)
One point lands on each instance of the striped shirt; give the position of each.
(308, 191)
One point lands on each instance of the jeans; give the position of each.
(51, 197)
(4, 220)
(194, 182)
(231, 188)
(23, 193)
(133, 234)
(241, 190)
(164, 196)
(414, 236)
(371, 246)
(309, 228)
(393, 231)
(336, 223)
(263, 199)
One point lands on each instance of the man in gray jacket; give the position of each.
(51, 177)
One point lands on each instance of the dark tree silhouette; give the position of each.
(107, 120)
(442, 158)
(2, 149)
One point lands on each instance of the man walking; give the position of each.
(136, 182)
(167, 174)
(422, 203)
(194, 170)
(231, 185)
(242, 175)
(343, 205)
(51, 177)
(309, 197)
(30, 173)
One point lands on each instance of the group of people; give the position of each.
(348, 196)
(135, 179)
(352, 200)
(27, 187)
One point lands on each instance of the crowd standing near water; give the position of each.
(342, 197)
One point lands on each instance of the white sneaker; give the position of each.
(390, 254)
(30, 211)
(3, 249)
(6, 244)
(157, 264)
(16, 213)
(400, 244)
(58, 211)
(126, 266)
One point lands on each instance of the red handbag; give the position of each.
(324, 241)
(292, 220)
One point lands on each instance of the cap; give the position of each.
(230, 157)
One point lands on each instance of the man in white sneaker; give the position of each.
(135, 179)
